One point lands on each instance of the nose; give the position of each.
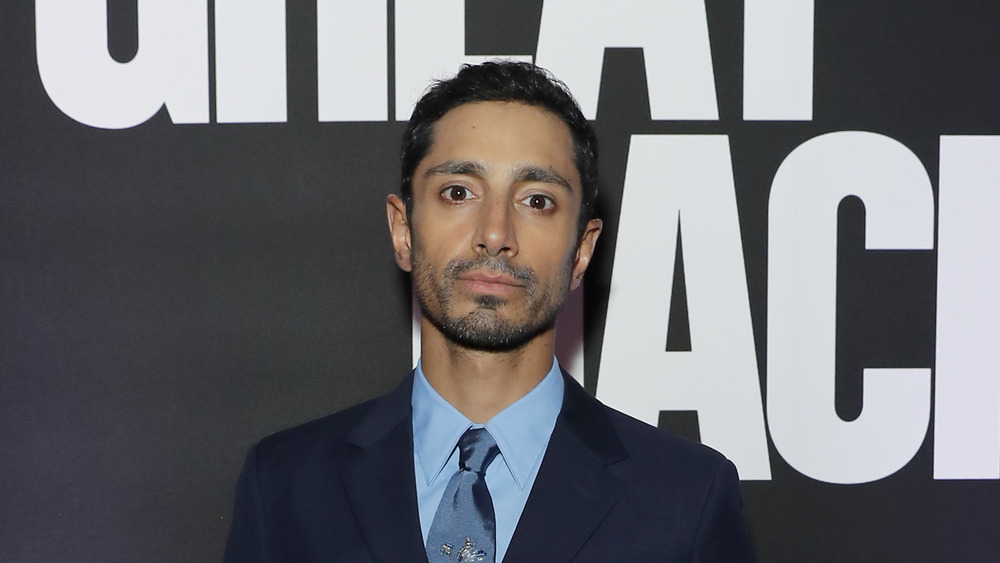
(495, 234)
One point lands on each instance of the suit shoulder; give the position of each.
(687, 492)
(657, 445)
(619, 436)
(312, 444)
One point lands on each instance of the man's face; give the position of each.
(492, 239)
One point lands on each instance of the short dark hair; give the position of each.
(501, 81)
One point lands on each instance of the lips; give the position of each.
(490, 282)
(487, 276)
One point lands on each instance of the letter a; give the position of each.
(690, 177)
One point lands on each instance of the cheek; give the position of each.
(440, 229)
(428, 257)
(556, 242)
(556, 263)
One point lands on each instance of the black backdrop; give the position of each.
(171, 293)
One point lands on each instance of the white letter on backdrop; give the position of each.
(778, 60)
(170, 67)
(801, 300)
(250, 66)
(674, 39)
(690, 177)
(351, 52)
(967, 379)
(430, 43)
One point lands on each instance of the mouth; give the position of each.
(490, 282)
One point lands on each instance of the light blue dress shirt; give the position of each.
(522, 432)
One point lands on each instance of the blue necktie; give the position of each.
(464, 526)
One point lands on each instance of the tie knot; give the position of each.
(477, 448)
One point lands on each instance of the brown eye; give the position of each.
(538, 201)
(455, 193)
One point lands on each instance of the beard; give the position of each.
(486, 327)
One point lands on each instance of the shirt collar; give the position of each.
(521, 430)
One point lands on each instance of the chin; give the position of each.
(485, 330)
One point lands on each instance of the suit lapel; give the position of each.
(379, 482)
(572, 482)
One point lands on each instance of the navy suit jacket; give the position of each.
(610, 488)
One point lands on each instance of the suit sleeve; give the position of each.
(722, 533)
(247, 541)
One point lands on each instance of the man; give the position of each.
(488, 451)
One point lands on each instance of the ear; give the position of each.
(584, 251)
(399, 230)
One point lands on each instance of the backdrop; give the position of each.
(798, 267)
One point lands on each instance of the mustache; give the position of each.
(457, 266)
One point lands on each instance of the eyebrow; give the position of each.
(521, 173)
(528, 173)
(458, 168)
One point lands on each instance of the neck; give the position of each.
(481, 383)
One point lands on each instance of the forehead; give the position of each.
(503, 134)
